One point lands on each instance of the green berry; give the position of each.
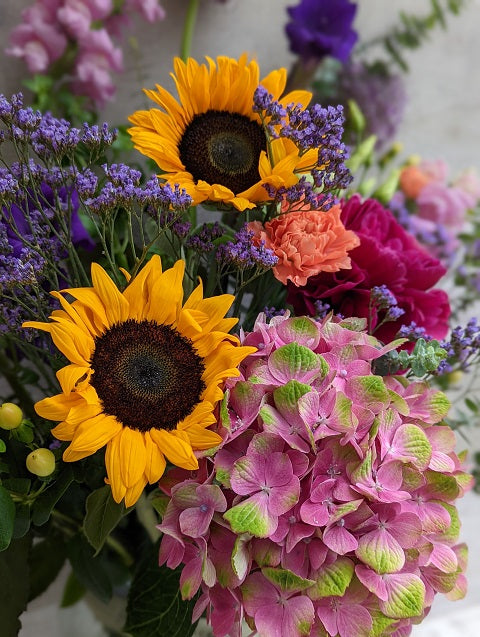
(11, 416)
(41, 462)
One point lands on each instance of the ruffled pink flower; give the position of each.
(38, 40)
(444, 205)
(97, 58)
(306, 242)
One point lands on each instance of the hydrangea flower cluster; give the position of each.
(329, 508)
(51, 29)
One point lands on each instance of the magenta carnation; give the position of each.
(387, 255)
(329, 508)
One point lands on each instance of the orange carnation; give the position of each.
(306, 242)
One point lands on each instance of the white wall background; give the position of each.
(442, 121)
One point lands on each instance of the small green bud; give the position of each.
(356, 117)
(41, 462)
(11, 416)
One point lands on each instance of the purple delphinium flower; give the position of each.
(321, 28)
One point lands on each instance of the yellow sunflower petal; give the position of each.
(167, 295)
(177, 451)
(133, 456)
(114, 470)
(57, 407)
(116, 306)
(69, 375)
(64, 431)
(201, 438)
(94, 433)
(135, 491)
(155, 463)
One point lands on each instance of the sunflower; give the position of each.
(210, 142)
(146, 371)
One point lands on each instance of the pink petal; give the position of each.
(339, 539)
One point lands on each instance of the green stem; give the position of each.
(188, 29)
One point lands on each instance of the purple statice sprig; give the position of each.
(204, 238)
(310, 128)
(243, 254)
(383, 300)
(51, 138)
(462, 348)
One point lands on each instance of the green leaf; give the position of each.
(21, 524)
(91, 571)
(73, 591)
(17, 485)
(7, 516)
(3, 446)
(154, 605)
(44, 504)
(103, 515)
(14, 577)
(46, 559)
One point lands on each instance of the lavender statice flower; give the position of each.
(413, 332)
(321, 28)
(463, 347)
(381, 298)
(313, 128)
(203, 240)
(243, 253)
(98, 137)
(164, 197)
(54, 136)
(321, 128)
(270, 110)
(173, 220)
(270, 312)
(322, 309)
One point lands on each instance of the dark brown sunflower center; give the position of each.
(147, 375)
(223, 148)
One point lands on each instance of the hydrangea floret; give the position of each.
(329, 508)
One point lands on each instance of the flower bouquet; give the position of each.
(222, 394)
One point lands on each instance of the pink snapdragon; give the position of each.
(77, 15)
(39, 40)
(338, 514)
(97, 58)
(52, 28)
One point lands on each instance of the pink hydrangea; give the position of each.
(329, 508)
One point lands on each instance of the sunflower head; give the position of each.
(146, 372)
(210, 141)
